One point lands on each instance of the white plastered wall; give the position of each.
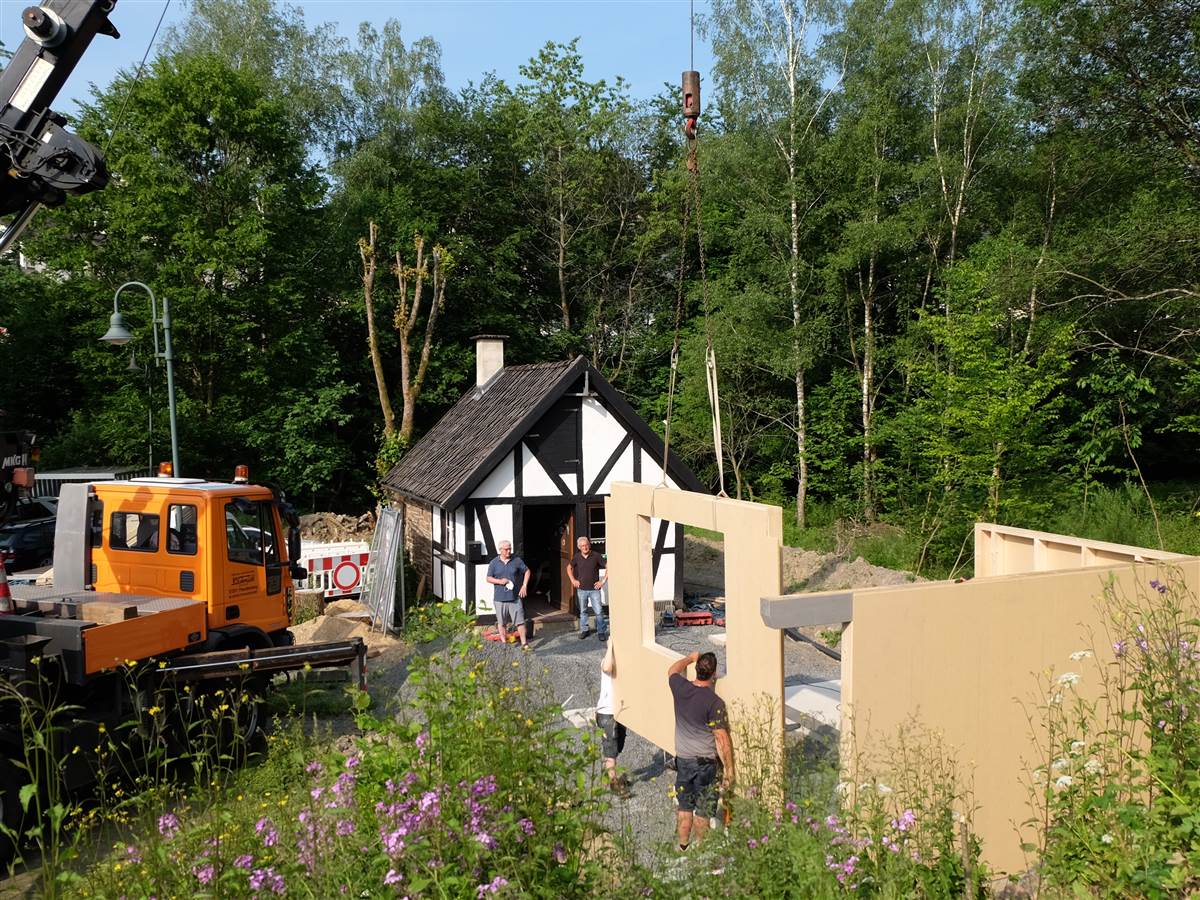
(500, 520)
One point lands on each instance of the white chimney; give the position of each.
(489, 357)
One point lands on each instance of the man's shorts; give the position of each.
(695, 785)
(614, 735)
(510, 613)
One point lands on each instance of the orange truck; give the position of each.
(157, 581)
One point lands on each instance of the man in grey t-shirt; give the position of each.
(701, 741)
(506, 572)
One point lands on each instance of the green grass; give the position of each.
(310, 697)
(707, 534)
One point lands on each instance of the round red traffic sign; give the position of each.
(348, 570)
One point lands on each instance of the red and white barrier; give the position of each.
(336, 570)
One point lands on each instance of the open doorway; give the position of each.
(548, 535)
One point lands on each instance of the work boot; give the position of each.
(583, 635)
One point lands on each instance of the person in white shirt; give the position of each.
(614, 731)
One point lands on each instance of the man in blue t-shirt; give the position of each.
(506, 572)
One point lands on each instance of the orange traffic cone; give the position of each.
(6, 602)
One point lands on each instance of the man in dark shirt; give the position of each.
(584, 572)
(506, 572)
(701, 739)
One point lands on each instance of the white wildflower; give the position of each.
(1056, 698)
(1068, 679)
(883, 789)
(1059, 764)
(1106, 838)
(1063, 781)
(1081, 654)
(1077, 747)
(842, 787)
(1092, 766)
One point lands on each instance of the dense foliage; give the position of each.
(950, 251)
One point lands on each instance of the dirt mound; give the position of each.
(329, 528)
(803, 570)
(343, 620)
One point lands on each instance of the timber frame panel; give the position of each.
(753, 685)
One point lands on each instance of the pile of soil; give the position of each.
(803, 570)
(341, 621)
(329, 528)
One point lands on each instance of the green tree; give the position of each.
(775, 88)
(214, 204)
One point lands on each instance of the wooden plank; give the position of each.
(106, 612)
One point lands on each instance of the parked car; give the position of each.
(27, 545)
(32, 510)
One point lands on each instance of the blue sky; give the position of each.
(646, 41)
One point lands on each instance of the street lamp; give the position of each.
(118, 334)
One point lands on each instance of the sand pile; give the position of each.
(343, 620)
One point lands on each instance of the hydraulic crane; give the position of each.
(42, 161)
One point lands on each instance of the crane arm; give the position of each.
(40, 161)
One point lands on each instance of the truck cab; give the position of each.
(226, 544)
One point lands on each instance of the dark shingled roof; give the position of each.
(450, 460)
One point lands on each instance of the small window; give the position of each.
(596, 530)
(133, 531)
(242, 534)
(447, 538)
(97, 524)
(181, 529)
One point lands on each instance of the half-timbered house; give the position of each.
(528, 455)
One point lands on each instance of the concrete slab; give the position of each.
(820, 700)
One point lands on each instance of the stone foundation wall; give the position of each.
(418, 537)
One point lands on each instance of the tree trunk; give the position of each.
(418, 381)
(366, 250)
(563, 302)
(801, 453)
(1047, 234)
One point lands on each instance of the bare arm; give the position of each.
(608, 664)
(571, 574)
(525, 582)
(679, 667)
(725, 754)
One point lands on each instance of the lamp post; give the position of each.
(118, 334)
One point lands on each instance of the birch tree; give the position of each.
(771, 78)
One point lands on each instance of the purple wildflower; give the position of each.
(526, 826)
(344, 828)
(1119, 648)
(314, 768)
(168, 824)
(422, 740)
(488, 842)
(392, 877)
(133, 854)
(485, 786)
(560, 854)
(492, 888)
(204, 874)
(268, 879)
(1158, 586)
(353, 760)
(245, 861)
(752, 844)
